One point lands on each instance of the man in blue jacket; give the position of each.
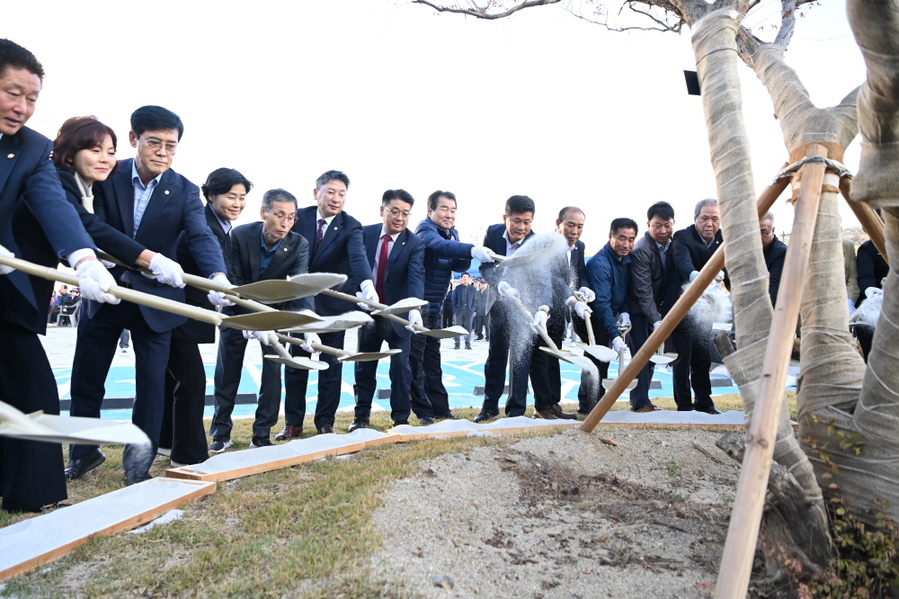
(444, 254)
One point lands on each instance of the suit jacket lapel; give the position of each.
(253, 250)
(281, 254)
(8, 156)
(371, 248)
(399, 247)
(330, 233)
(124, 192)
(159, 199)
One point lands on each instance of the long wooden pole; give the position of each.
(742, 534)
(677, 313)
(869, 219)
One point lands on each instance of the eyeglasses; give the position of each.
(398, 212)
(291, 218)
(154, 144)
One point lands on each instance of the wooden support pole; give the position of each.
(677, 313)
(869, 219)
(742, 534)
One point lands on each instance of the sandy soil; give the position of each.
(566, 515)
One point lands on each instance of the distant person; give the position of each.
(872, 270)
(396, 256)
(693, 248)
(444, 255)
(775, 253)
(652, 263)
(464, 307)
(481, 315)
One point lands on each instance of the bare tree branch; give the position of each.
(481, 12)
(787, 23)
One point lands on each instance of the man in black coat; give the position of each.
(396, 256)
(505, 317)
(693, 247)
(183, 433)
(260, 251)
(335, 245)
(464, 307)
(775, 252)
(31, 472)
(872, 269)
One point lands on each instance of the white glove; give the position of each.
(656, 325)
(719, 277)
(414, 319)
(850, 305)
(540, 318)
(217, 298)
(249, 334)
(481, 253)
(266, 337)
(582, 310)
(872, 291)
(166, 271)
(693, 275)
(95, 281)
(367, 293)
(310, 339)
(618, 344)
(587, 294)
(110, 265)
(624, 319)
(509, 291)
(5, 270)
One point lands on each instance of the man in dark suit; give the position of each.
(480, 308)
(183, 432)
(31, 471)
(505, 318)
(693, 247)
(651, 295)
(146, 199)
(396, 256)
(335, 245)
(464, 304)
(775, 252)
(259, 251)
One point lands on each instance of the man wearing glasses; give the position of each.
(396, 257)
(259, 251)
(148, 201)
(335, 245)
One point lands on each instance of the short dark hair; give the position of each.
(221, 180)
(566, 210)
(465, 274)
(153, 118)
(277, 195)
(332, 176)
(663, 210)
(15, 56)
(519, 205)
(397, 194)
(76, 134)
(623, 223)
(434, 198)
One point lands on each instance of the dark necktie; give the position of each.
(320, 232)
(382, 266)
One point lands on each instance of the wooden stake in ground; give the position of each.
(677, 313)
(742, 534)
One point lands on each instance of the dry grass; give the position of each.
(303, 531)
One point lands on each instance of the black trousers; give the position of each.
(692, 344)
(228, 368)
(546, 377)
(185, 398)
(296, 381)
(427, 395)
(31, 472)
(464, 319)
(371, 336)
(98, 338)
(510, 342)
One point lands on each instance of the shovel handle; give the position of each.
(325, 349)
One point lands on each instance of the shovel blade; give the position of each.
(298, 362)
(607, 384)
(602, 353)
(663, 358)
(327, 324)
(369, 356)
(268, 321)
(570, 357)
(447, 333)
(278, 290)
(404, 305)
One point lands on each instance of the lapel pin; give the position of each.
(285, 249)
(10, 155)
(166, 192)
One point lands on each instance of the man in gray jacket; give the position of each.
(650, 260)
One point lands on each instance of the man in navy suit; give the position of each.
(146, 199)
(396, 258)
(505, 317)
(31, 471)
(335, 245)
(259, 251)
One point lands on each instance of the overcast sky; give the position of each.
(541, 104)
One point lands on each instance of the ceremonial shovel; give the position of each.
(61, 429)
(607, 383)
(245, 322)
(342, 354)
(403, 305)
(285, 358)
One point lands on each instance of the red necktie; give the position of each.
(320, 232)
(382, 266)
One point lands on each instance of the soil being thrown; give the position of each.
(565, 515)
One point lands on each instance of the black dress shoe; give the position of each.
(400, 422)
(425, 421)
(710, 410)
(486, 415)
(358, 423)
(326, 430)
(78, 468)
(446, 416)
(560, 413)
(289, 432)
